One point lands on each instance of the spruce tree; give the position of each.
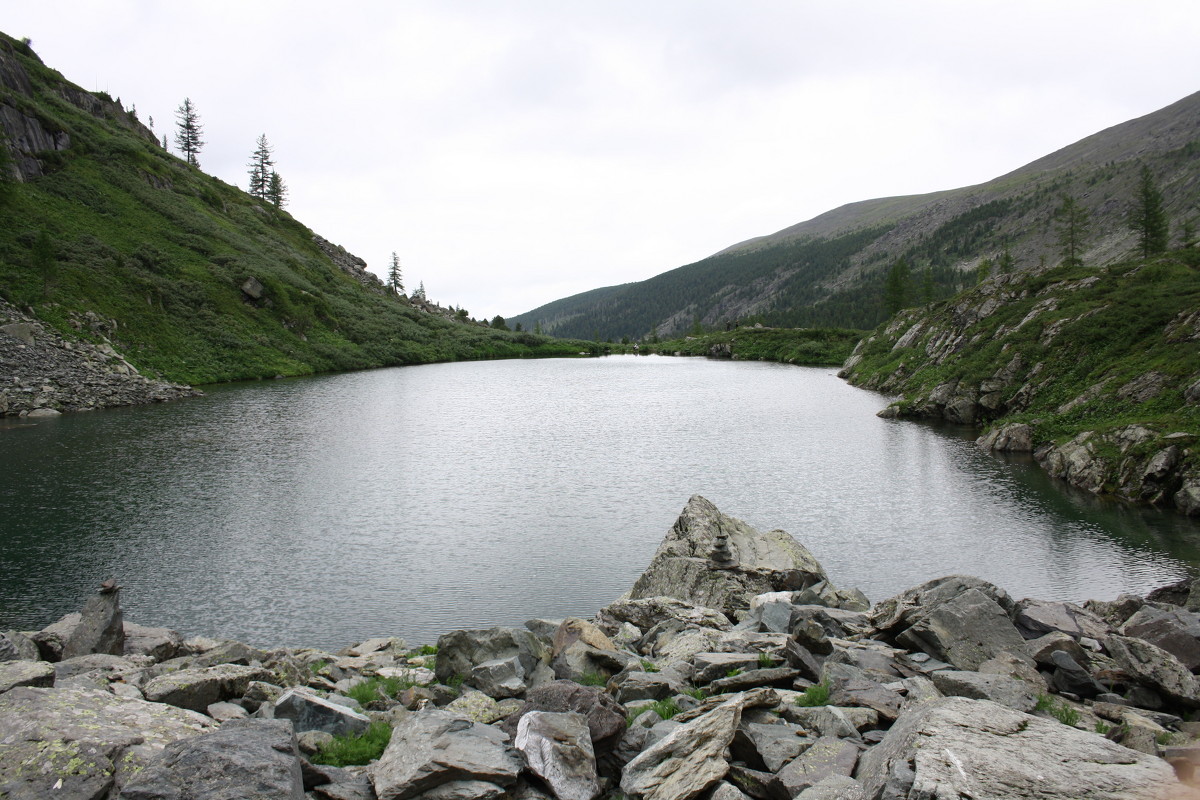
(1148, 218)
(394, 281)
(187, 132)
(276, 191)
(261, 166)
(1073, 226)
(895, 288)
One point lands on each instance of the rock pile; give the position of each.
(950, 690)
(42, 373)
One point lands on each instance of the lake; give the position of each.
(416, 500)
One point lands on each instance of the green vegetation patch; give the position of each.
(351, 750)
(803, 346)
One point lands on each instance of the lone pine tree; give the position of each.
(187, 132)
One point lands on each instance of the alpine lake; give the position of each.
(413, 501)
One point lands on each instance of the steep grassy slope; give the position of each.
(1095, 370)
(830, 269)
(109, 237)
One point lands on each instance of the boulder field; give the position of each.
(733, 668)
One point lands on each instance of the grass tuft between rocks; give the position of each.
(352, 750)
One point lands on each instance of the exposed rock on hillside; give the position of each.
(42, 373)
(1093, 371)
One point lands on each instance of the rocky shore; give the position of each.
(733, 668)
(43, 374)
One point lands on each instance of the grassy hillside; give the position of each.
(99, 218)
(1100, 366)
(818, 347)
(830, 270)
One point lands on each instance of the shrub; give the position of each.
(350, 750)
(817, 695)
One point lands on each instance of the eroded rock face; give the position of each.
(958, 747)
(558, 749)
(757, 562)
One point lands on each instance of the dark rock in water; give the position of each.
(682, 566)
(100, 628)
(259, 757)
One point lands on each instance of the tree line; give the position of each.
(265, 183)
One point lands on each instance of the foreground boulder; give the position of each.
(258, 757)
(501, 662)
(558, 749)
(438, 750)
(80, 744)
(956, 747)
(719, 562)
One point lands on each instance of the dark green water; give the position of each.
(414, 501)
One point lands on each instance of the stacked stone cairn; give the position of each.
(719, 676)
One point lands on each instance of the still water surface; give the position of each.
(413, 501)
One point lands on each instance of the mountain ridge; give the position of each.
(950, 231)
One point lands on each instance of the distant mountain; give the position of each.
(111, 241)
(830, 270)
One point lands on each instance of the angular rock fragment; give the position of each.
(558, 749)
(197, 689)
(308, 712)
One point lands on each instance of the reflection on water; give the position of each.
(412, 501)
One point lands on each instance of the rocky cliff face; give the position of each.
(1096, 372)
(42, 373)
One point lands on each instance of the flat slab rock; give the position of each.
(77, 744)
(957, 748)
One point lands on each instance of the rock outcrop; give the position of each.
(43, 373)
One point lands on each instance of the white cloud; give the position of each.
(515, 152)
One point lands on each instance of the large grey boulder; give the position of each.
(768, 746)
(82, 744)
(1155, 668)
(957, 747)
(197, 689)
(747, 562)
(50, 639)
(308, 712)
(826, 758)
(558, 749)
(605, 717)
(501, 662)
(689, 760)
(1017, 694)
(1175, 630)
(1036, 618)
(100, 628)
(161, 644)
(440, 754)
(960, 620)
(245, 758)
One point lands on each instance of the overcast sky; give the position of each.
(513, 153)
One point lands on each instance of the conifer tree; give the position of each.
(1148, 217)
(927, 288)
(276, 191)
(1006, 263)
(187, 132)
(394, 281)
(261, 166)
(895, 288)
(1073, 225)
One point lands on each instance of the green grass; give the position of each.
(815, 695)
(351, 750)
(377, 690)
(765, 661)
(593, 679)
(664, 708)
(1062, 711)
(649, 666)
(697, 693)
